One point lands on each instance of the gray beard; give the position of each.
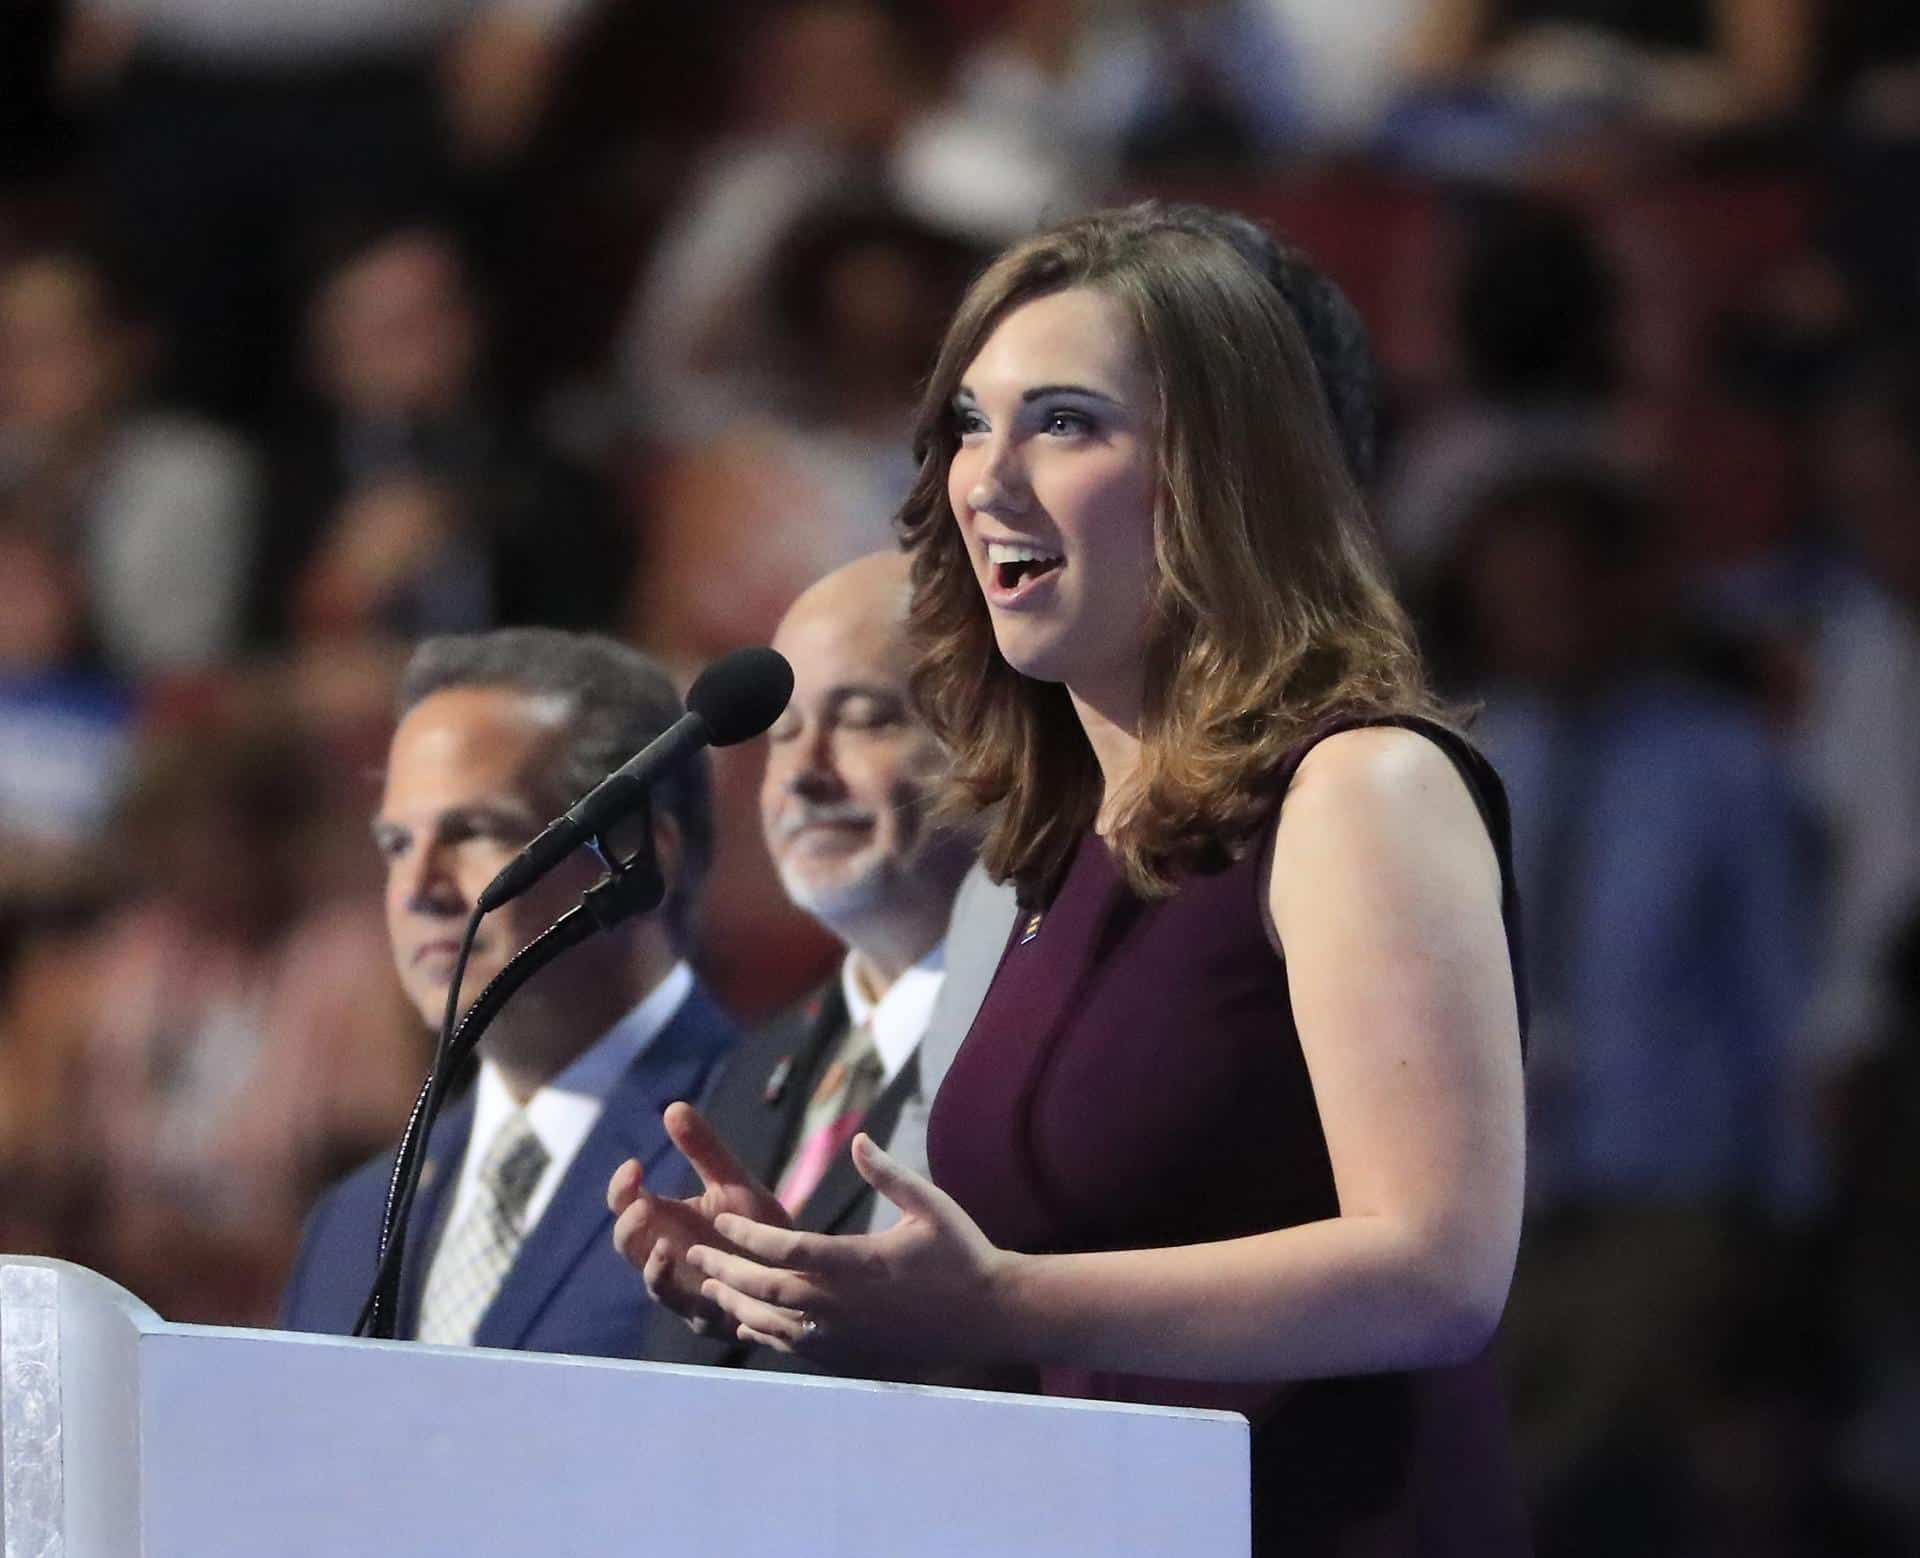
(842, 902)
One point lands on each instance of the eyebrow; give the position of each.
(479, 813)
(1041, 391)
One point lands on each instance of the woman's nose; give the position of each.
(999, 485)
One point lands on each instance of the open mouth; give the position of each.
(1014, 566)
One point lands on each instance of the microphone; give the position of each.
(733, 700)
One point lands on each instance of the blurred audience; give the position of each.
(156, 509)
(409, 499)
(1200, 83)
(1350, 64)
(1062, 97)
(1687, 65)
(1536, 373)
(822, 89)
(31, 142)
(766, 503)
(1665, 879)
(1665, 856)
(211, 1049)
(1873, 1293)
(1871, 61)
(64, 724)
(229, 122)
(1860, 734)
(1027, 127)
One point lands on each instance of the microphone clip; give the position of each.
(631, 887)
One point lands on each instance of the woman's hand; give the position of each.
(654, 1233)
(930, 1290)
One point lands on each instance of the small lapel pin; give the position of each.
(1031, 929)
(777, 1080)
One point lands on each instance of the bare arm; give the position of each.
(1385, 894)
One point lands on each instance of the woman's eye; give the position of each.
(1067, 424)
(967, 423)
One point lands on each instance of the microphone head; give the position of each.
(741, 694)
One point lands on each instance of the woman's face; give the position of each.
(1053, 487)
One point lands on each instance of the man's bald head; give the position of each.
(869, 593)
(850, 767)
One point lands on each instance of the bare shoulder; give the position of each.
(1379, 772)
(1373, 798)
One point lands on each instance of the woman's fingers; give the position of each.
(822, 1254)
(624, 1186)
(655, 1272)
(701, 1145)
(674, 1287)
(634, 1233)
(913, 1193)
(771, 1325)
(769, 1284)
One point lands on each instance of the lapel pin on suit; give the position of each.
(777, 1080)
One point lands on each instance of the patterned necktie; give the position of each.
(476, 1255)
(840, 1101)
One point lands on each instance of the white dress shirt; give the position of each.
(900, 1017)
(564, 1112)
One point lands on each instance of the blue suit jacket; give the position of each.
(569, 1291)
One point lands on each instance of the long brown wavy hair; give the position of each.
(1271, 615)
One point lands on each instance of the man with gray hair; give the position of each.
(510, 1247)
(845, 807)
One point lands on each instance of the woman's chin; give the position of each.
(1031, 656)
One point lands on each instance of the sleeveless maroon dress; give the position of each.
(1134, 1079)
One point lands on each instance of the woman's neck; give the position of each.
(1113, 731)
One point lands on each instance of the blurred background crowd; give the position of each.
(327, 325)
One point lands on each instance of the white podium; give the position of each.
(122, 1436)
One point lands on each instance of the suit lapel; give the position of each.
(674, 1066)
(445, 1150)
(758, 1100)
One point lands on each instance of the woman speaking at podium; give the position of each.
(1239, 1123)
